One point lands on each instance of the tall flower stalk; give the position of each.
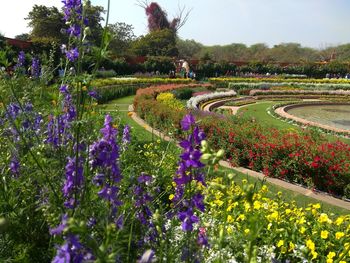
(189, 179)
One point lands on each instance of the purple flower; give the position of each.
(74, 180)
(187, 122)
(60, 228)
(188, 219)
(72, 54)
(13, 110)
(35, 68)
(72, 251)
(21, 60)
(190, 169)
(64, 89)
(104, 155)
(93, 94)
(14, 165)
(126, 135)
(74, 30)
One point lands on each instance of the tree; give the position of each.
(46, 24)
(24, 37)
(158, 18)
(94, 18)
(156, 43)
(122, 37)
(188, 48)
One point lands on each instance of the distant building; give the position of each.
(21, 44)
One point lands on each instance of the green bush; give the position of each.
(183, 94)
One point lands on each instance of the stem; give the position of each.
(102, 40)
(129, 242)
(32, 154)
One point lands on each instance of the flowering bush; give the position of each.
(299, 92)
(288, 85)
(249, 224)
(77, 187)
(304, 158)
(194, 102)
(170, 100)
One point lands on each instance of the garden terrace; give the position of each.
(297, 157)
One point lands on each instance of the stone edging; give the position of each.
(295, 188)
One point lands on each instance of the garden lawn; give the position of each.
(121, 106)
(258, 112)
(287, 195)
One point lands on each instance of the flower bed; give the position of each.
(304, 158)
(194, 102)
(288, 85)
(277, 80)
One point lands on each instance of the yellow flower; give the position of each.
(229, 219)
(171, 197)
(329, 260)
(288, 211)
(302, 230)
(331, 255)
(316, 206)
(310, 245)
(339, 220)
(257, 205)
(273, 216)
(264, 189)
(339, 235)
(324, 218)
(241, 217)
(324, 234)
(291, 246)
(229, 230)
(246, 231)
(280, 243)
(314, 254)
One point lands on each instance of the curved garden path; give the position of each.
(301, 190)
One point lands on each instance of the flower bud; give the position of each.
(87, 31)
(206, 156)
(220, 153)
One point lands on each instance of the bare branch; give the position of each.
(142, 3)
(182, 17)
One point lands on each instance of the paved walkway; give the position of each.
(295, 188)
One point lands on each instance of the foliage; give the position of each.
(161, 64)
(305, 158)
(183, 94)
(123, 36)
(156, 43)
(169, 100)
(46, 23)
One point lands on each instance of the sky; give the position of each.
(312, 23)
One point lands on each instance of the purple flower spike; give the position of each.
(74, 30)
(187, 122)
(72, 54)
(35, 68)
(60, 228)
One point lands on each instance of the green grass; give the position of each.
(143, 135)
(287, 195)
(120, 106)
(258, 112)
